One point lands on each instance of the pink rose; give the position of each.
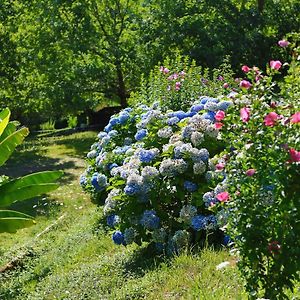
(295, 155)
(223, 197)
(225, 85)
(275, 64)
(218, 125)
(220, 115)
(220, 166)
(295, 117)
(245, 114)
(283, 43)
(177, 85)
(245, 69)
(245, 84)
(250, 172)
(271, 118)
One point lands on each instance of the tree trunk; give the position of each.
(260, 5)
(121, 85)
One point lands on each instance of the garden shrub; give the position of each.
(263, 180)
(154, 169)
(178, 82)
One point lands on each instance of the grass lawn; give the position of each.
(67, 256)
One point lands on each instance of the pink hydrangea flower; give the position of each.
(245, 84)
(250, 172)
(223, 197)
(295, 117)
(220, 115)
(283, 43)
(295, 155)
(245, 114)
(275, 64)
(245, 69)
(271, 119)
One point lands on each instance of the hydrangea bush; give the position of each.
(154, 171)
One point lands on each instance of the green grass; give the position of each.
(75, 259)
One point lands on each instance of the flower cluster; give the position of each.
(152, 169)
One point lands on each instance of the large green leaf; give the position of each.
(11, 221)
(10, 129)
(4, 119)
(8, 145)
(31, 179)
(26, 192)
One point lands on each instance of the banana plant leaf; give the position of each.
(11, 221)
(4, 119)
(8, 145)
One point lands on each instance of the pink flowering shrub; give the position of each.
(263, 171)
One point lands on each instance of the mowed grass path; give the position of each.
(75, 259)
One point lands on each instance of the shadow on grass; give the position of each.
(78, 146)
(32, 162)
(143, 260)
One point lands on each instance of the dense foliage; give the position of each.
(60, 58)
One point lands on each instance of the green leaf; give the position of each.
(26, 192)
(31, 179)
(8, 145)
(11, 221)
(10, 129)
(4, 119)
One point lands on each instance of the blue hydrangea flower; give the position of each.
(83, 180)
(132, 189)
(102, 134)
(146, 156)
(113, 133)
(123, 117)
(190, 186)
(204, 154)
(211, 222)
(141, 134)
(112, 220)
(118, 237)
(198, 222)
(180, 114)
(111, 166)
(99, 181)
(210, 115)
(197, 107)
(224, 105)
(150, 220)
(114, 121)
(172, 121)
(226, 240)
(108, 128)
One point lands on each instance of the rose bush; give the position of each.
(263, 173)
